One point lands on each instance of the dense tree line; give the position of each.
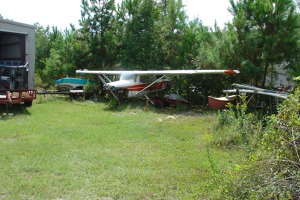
(157, 34)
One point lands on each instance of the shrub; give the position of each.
(91, 91)
(273, 170)
(281, 142)
(38, 83)
(236, 126)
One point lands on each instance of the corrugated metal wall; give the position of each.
(28, 31)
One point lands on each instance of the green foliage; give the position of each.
(281, 142)
(42, 45)
(273, 168)
(172, 35)
(268, 35)
(91, 91)
(38, 81)
(90, 88)
(97, 31)
(53, 67)
(55, 53)
(113, 103)
(138, 45)
(237, 127)
(297, 78)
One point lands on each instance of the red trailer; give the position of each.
(17, 97)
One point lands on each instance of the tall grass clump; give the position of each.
(273, 169)
(236, 129)
(236, 126)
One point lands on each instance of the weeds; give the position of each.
(272, 170)
(236, 127)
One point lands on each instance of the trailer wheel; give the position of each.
(28, 103)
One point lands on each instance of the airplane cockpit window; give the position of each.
(128, 76)
(147, 79)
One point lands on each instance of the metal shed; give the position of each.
(17, 62)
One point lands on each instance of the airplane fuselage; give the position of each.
(137, 89)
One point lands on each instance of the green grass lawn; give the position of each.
(59, 149)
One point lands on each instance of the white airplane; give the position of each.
(140, 83)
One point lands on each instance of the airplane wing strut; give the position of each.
(104, 83)
(151, 84)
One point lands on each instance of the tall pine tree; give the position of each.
(268, 35)
(138, 45)
(97, 30)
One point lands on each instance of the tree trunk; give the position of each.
(265, 75)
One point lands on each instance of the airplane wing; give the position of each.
(85, 71)
(161, 72)
(182, 72)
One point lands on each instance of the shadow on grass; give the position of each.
(149, 107)
(115, 106)
(12, 110)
